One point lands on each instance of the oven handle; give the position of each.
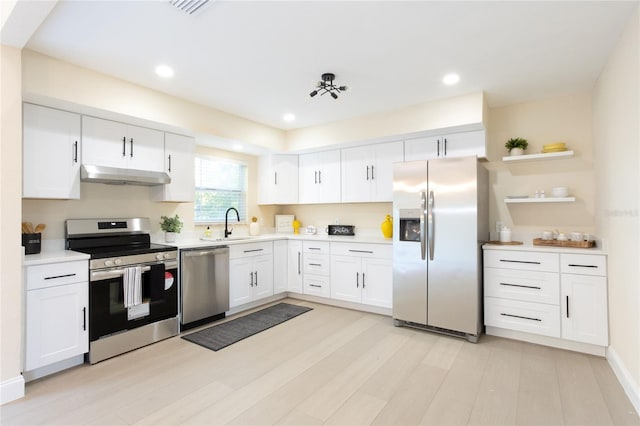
(112, 273)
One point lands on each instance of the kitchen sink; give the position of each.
(246, 237)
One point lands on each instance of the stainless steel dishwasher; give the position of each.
(204, 282)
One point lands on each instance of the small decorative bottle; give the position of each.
(387, 227)
(296, 226)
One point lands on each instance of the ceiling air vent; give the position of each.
(189, 6)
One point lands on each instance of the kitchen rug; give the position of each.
(228, 333)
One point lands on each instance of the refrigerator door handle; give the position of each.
(423, 228)
(431, 225)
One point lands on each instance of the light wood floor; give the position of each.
(332, 366)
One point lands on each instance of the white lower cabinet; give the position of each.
(361, 273)
(250, 272)
(294, 266)
(583, 299)
(280, 266)
(57, 313)
(316, 269)
(551, 294)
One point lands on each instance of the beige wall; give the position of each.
(616, 128)
(52, 78)
(566, 119)
(11, 180)
(456, 111)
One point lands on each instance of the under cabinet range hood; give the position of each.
(117, 176)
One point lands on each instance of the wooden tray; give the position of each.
(556, 243)
(510, 243)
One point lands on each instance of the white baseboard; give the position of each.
(547, 341)
(53, 368)
(630, 386)
(11, 389)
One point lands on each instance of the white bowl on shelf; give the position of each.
(560, 191)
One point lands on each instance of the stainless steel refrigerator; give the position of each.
(441, 219)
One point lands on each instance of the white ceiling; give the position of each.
(261, 59)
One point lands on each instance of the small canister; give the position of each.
(505, 235)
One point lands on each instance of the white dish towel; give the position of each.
(132, 286)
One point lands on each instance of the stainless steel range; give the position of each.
(133, 289)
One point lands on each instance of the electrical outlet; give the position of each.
(499, 225)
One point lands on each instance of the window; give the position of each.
(220, 184)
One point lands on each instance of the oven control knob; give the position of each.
(108, 263)
(159, 256)
(117, 261)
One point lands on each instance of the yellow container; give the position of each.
(387, 227)
(296, 226)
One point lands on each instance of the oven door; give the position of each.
(107, 313)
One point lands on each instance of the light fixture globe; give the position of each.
(326, 86)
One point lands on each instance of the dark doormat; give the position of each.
(228, 333)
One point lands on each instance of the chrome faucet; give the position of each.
(226, 221)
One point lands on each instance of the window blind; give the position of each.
(220, 184)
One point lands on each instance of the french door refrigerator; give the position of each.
(441, 219)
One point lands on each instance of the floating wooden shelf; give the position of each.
(540, 200)
(537, 157)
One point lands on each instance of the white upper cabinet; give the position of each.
(278, 183)
(319, 177)
(179, 160)
(51, 153)
(461, 144)
(367, 172)
(113, 144)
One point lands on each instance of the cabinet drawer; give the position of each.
(362, 250)
(583, 264)
(250, 249)
(54, 274)
(317, 247)
(316, 286)
(526, 260)
(528, 286)
(316, 264)
(535, 318)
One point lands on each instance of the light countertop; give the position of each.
(53, 256)
(191, 242)
(528, 246)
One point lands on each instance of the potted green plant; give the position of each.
(171, 226)
(516, 146)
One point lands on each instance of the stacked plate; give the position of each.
(554, 147)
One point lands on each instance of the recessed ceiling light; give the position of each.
(164, 71)
(288, 117)
(451, 79)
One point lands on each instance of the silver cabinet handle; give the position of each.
(523, 286)
(519, 261)
(367, 172)
(253, 250)
(521, 317)
(432, 226)
(131, 142)
(363, 280)
(445, 147)
(315, 174)
(75, 152)
(423, 228)
(251, 282)
(357, 279)
(124, 146)
(55, 277)
(299, 263)
(319, 176)
(575, 265)
(169, 163)
(361, 251)
(275, 178)
(315, 285)
(256, 275)
(372, 177)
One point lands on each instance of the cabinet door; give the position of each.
(57, 324)
(280, 271)
(384, 155)
(466, 144)
(308, 190)
(346, 278)
(294, 266)
(377, 282)
(179, 162)
(145, 149)
(329, 177)
(357, 170)
(584, 308)
(285, 179)
(51, 153)
(240, 281)
(104, 142)
(426, 148)
(263, 276)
